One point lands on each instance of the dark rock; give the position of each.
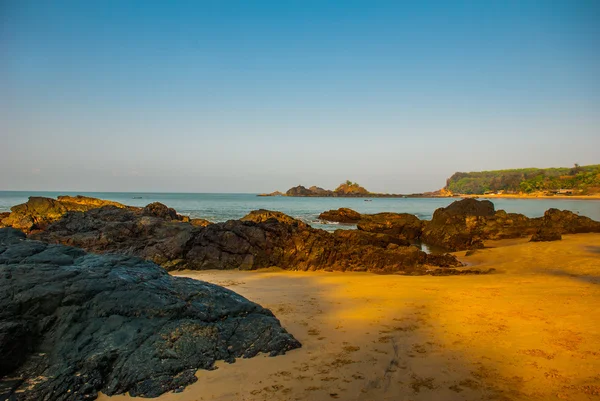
(468, 207)
(318, 191)
(200, 222)
(546, 233)
(262, 216)
(261, 239)
(567, 222)
(341, 215)
(403, 225)
(299, 191)
(157, 209)
(443, 260)
(504, 225)
(465, 224)
(3, 215)
(73, 324)
(38, 212)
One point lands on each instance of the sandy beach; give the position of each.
(532, 196)
(529, 332)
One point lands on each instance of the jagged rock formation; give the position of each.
(73, 324)
(38, 212)
(347, 189)
(299, 191)
(403, 225)
(261, 239)
(467, 223)
(3, 215)
(546, 233)
(570, 223)
(341, 215)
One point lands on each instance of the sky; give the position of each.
(257, 96)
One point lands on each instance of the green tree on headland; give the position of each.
(583, 179)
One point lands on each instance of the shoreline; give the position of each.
(539, 197)
(456, 197)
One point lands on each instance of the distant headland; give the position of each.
(576, 181)
(347, 189)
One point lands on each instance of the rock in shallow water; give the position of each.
(73, 324)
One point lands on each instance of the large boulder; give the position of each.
(261, 239)
(157, 209)
(546, 233)
(467, 223)
(403, 225)
(504, 225)
(568, 222)
(458, 226)
(263, 215)
(131, 232)
(200, 222)
(468, 207)
(341, 215)
(73, 324)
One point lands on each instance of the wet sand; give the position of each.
(529, 332)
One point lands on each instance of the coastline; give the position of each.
(456, 197)
(511, 196)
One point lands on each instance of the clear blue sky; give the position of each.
(250, 96)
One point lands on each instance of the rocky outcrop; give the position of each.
(465, 224)
(341, 215)
(567, 222)
(347, 189)
(38, 212)
(73, 324)
(157, 209)
(318, 191)
(546, 233)
(403, 225)
(299, 191)
(86, 202)
(350, 188)
(276, 193)
(265, 238)
(200, 222)
(3, 215)
(261, 239)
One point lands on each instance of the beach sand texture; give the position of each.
(529, 332)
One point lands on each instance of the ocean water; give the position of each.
(222, 207)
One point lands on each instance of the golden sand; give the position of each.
(529, 332)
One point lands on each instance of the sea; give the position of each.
(227, 206)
